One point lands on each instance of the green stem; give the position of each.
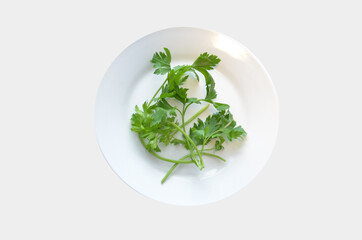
(197, 114)
(189, 139)
(179, 140)
(187, 106)
(192, 118)
(163, 158)
(169, 172)
(157, 92)
(183, 118)
(173, 168)
(186, 156)
(209, 149)
(202, 150)
(220, 130)
(213, 155)
(208, 154)
(178, 110)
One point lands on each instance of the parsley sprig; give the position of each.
(157, 122)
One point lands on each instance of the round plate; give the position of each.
(241, 81)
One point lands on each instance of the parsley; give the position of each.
(157, 122)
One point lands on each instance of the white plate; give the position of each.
(241, 81)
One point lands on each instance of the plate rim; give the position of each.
(264, 70)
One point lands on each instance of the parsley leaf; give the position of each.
(162, 62)
(210, 85)
(221, 106)
(158, 122)
(206, 61)
(149, 124)
(216, 126)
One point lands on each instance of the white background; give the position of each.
(54, 182)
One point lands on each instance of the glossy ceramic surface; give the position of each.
(241, 81)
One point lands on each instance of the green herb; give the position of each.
(157, 121)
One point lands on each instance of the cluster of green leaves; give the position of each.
(157, 122)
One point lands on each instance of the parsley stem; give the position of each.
(169, 172)
(179, 140)
(188, 143)
(193, 117)
(178, 110)
(184, 157)
(220, 130)
(187, 106)
(190, 140)
(173, 168)
(206, 154)
(213, 155)
(202, 149)
(209, 149)
(196, 114)
(156, 92)
(163, 158)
